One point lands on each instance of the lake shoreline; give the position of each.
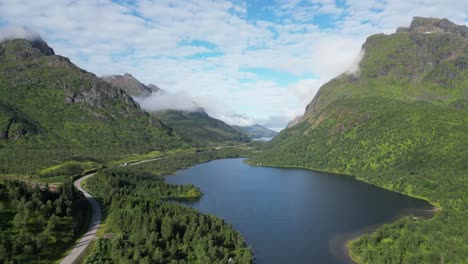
(340, 244)
(348, 238)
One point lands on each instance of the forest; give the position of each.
(42, 214)
(37, 223)
(145, 225)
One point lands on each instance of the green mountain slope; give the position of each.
(400, 124)
(200, 127)
(47, 103)
(257, 131)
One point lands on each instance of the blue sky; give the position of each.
(244, 61)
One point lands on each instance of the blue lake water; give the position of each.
(293, 215)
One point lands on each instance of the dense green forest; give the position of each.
(144, 226)
(37, 224)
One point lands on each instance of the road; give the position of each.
(144, 161)
(87, 238)
(90, 235)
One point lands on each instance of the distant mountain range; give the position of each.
(257, 131)
(196, 125)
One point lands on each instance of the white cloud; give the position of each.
(355, 69)
(168, 101)
(144, 38)
(17, 32)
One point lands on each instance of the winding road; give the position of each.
(84, 242)
(90, 235)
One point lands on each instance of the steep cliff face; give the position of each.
(45, 98)
(425, 62)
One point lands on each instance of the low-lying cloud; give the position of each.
(355, 68)
(183, 101)
(18, 32)
(236, 119)
(168, 101)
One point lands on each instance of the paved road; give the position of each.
(79, 248)
(143, 161)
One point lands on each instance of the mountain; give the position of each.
(196, 125)
(401, 123)
(47, 103)
(131, 85)
(200, 127)
(257, 131)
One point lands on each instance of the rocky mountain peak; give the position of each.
(129, 84)
(434, 25)
(24, 48)
(42, 46)
(154, 88)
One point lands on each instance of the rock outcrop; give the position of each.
(131, 85)
(434, 25)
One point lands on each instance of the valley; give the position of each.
(112, 170)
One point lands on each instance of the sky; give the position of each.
(245, 62)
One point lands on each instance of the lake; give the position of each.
(262, 139)
(293, 215)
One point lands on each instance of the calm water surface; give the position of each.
(293, 215)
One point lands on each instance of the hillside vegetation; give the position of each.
(201, 128)
(401, 124)
(38, 224)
